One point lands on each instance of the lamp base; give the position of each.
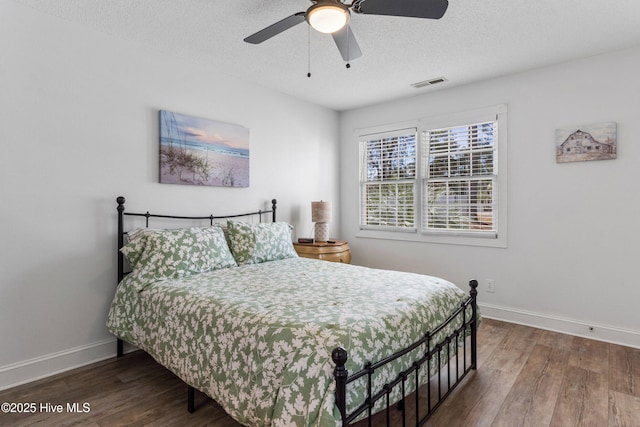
(322, 232)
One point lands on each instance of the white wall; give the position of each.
(78, 127)
(572, 254)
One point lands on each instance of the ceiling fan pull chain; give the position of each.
(309, 51)
(348, 44)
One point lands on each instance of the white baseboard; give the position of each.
(40, 367)
(580, 328)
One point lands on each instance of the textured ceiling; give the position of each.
(475, 40)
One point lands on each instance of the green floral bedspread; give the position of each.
(258, 338)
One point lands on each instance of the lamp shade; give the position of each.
(321, 211)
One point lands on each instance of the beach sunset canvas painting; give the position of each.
(197, 151)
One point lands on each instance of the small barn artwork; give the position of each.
(588, 142)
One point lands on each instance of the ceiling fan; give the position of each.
(332, 17)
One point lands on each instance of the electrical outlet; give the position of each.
(491, 285)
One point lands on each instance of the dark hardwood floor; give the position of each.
(526, 377)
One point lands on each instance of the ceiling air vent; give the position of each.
(429, 82)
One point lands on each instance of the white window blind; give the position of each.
(436, 179)
(388, 180)
(459, 170)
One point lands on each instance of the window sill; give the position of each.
(466, 239)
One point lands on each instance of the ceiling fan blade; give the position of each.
(275, 29)
(347, 44)
(432, 9)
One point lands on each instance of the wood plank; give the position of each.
(491, 333)
(533, 396)
(583, 399)
(512, 352)
(625, 370)
(477, 401)
(624, 410)
(556, 340)
(590, 355)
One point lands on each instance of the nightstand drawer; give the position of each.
(334, 252)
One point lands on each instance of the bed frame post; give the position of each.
(474, 323)
(340, 373)
(120, 200)
(273, 210)
(191, 399)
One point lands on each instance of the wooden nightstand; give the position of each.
(335, 252)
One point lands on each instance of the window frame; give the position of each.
(398, 133)
(496, 113)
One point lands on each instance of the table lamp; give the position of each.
(321, 215)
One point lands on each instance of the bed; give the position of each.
(282, 340)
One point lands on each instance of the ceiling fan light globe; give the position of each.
(328, 18)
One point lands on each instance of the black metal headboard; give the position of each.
(121, 233)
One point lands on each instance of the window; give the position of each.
(459, 176)
(437, 181)
(388, 177)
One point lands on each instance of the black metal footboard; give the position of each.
(441, 366)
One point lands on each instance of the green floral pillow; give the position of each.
(256, 243)
(137, 241)
(215, 244)
(162, 254)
